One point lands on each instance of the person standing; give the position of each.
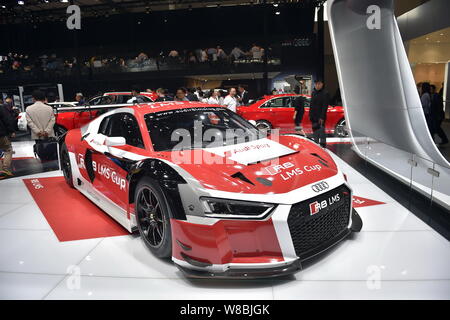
(6, 133)
(181, 95)
(320, 101)
(230, 100)
(192, 95)
(162, 95)
(214, 99)
(425, 99)
(79, 98)
(243, 95)
(40, 118)
(438, 115)
(135, 96)
(299, 105)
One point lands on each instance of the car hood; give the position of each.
(263, 166)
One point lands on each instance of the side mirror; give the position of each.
(115, 141)
(253, 122)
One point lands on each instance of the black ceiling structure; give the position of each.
(35, 11)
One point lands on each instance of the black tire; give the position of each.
(153, 217)
(339, 130)
(263, 125)
(65, 165)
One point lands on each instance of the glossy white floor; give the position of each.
(396, 256)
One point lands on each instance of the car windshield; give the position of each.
(194, 128)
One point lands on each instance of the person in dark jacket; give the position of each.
(438, 115)
(425, 99)
(243, 95)
(162, 95)
(320, 101)
(191, 96)
(6, 133)
(299, 105)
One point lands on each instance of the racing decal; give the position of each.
(107, 172)
(316, 206)
(253, 151)
(359, 202)
(287, 170)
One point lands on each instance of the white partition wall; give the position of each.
(381, 101)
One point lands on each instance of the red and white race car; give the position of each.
(277, 111)
(208, 189)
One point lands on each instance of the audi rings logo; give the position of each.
(319, 187)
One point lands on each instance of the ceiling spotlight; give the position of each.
(3, 7)
(278, 13)
(20, 3)
(64, 1)
(275, 5)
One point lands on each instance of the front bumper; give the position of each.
(267, 270)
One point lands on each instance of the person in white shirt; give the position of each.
(237, 53)
(230, 100)
(214, 99)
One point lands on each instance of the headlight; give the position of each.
(235, 209)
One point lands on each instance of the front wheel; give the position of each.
(341, 131)
(153, 218)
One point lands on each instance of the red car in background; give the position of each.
(66, 121)
(277, 111)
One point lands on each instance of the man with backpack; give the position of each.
(41, 119)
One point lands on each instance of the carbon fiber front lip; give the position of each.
(260, 273)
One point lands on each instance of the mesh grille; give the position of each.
(309, 232)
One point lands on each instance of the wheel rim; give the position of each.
(340, 129)
(151, 219)
(66, 166)
(263, 126)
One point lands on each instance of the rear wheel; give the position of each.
(153, 218)
(341, 131)
(65, 165)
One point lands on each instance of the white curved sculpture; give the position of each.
(378, 88)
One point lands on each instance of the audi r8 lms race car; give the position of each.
(277, 111)
(208, 189)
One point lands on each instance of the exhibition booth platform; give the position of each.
(55, 244)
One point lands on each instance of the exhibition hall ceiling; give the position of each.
(430, 48)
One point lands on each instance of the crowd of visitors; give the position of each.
(432, 104)
(231, 98)
(18, 63)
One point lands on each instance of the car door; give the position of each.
(108, 170)
(280, 112)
